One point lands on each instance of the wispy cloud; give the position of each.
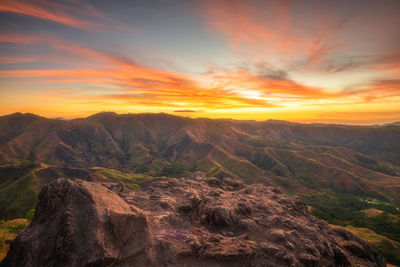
(54, 11)
(185, 111)
(258, 85)
(13, 60)
(135, 83)
(270, 81)
(308, 35)
(260, 32)
(267, 27)
(18, 38)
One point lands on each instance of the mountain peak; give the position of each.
(19, 115)
(103, 114)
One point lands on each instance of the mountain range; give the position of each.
(338, 170)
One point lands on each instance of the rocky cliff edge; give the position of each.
(197, 221)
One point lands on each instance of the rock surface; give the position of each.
(197, 221)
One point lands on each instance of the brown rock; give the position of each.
(179, 223)
(80, 223)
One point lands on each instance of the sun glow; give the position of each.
(241, 60)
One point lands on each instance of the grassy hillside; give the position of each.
(8, 231)
(388, 248)
(374, 220)
(302, 158)
(340, 171)
(19, 192)
(19, 196)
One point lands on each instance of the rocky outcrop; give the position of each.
(81, 223)
(197, 221)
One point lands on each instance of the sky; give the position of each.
(300, 60)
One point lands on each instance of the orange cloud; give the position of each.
(270, 85)
(142, 85)
(265, 30)
(70, 47)
(12, 60)
(263, 27)
(134, 84)
(52, 11)
(18, 39)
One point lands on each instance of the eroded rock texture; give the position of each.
(197, 221)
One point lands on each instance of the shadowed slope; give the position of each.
(302, 158)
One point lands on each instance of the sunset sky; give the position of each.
(304, 60)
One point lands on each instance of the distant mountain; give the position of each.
(397, 123)
(302, 158)
(60, 118)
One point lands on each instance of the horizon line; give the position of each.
(180, 114)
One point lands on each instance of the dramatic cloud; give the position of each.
(308, 35)
(298, 60)
(135, 82)
(268, 27)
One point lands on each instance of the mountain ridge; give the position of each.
(295, 156)
(338, 170)
(394, 123)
